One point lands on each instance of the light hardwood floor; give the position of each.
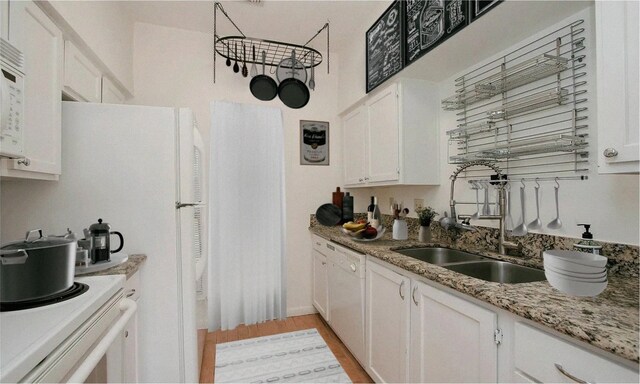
(346, 359)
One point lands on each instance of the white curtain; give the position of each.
(247, 215)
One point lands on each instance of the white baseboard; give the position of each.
(299, 311)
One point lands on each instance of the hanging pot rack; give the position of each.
(275, 51)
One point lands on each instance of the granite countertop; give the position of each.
(609, 321)
(128, 268)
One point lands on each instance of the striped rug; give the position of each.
(300, 357)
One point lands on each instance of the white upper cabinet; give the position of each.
(110, 93)
(41, 41)
(355, 155)
(82, 79)
(4, 20)
(392, 138)
(617, 42)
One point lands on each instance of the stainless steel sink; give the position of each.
(498, 272)
(440, 256)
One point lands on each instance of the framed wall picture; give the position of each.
(385, 48)
(314, 142)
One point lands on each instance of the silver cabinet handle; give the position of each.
(318, 244)
(413, 295)
(361, 180)
(400, 290)
(610, 152)
(324, 263)
(26, 161)
(567, 374)
(331, 247)
(366, 178)
(126, 334)
(131, 293)
(353, 267)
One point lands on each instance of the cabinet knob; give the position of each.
(366, 178)
(324, 263)
(26, 162)
(361, 180)
(126, 334)
(131, 293)
(610, 152)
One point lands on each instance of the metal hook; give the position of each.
(522, 182)
(507, 186)
(557, 184)
(537, 184)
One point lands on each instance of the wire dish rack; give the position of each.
(527, 110)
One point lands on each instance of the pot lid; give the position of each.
(36, 243)
(99, 226)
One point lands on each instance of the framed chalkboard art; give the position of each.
(480, 7)
(430, 22)
(385, 46)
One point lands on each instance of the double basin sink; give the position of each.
(475, 266)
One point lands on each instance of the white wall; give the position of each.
(173, 67)
(107, 29)
(608, 202)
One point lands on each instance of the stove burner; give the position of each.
(76, 289)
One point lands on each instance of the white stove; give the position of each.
(51, 342)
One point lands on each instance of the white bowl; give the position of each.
(577, 257)
(565, 265)
(573, 287)
(578, 276)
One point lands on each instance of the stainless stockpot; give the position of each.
(36, 267)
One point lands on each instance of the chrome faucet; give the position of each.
(451, 222)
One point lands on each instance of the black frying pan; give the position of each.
(262, 86)
(293, 92)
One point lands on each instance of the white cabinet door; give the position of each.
(452, 340)
(541, 357)
(354, 127)
(387, 324)
(130, 349)
(617, 39)
(82, 79)
(383, 136)
(41, 42)
(110, 93)
(320, 286)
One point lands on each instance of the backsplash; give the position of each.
(623, 258)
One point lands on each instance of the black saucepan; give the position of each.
(262, 86)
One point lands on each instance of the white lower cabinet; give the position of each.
(387, 324)
(541, 357)
(452, 340)
(320, 283)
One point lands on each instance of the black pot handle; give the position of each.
(121, 240)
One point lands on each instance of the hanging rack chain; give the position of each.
(221, 8)
(325, 26)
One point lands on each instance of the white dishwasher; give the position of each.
(346, 298)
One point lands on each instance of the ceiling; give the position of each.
(267, 19)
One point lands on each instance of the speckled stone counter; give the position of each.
(609, 321)
(127, 268)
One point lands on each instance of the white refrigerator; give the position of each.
(134, 167)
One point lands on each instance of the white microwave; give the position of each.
(11, 101)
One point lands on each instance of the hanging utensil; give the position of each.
(537, 223)
(254, 70)
(508, 220)
(485, 207)
(556, 223)
(228, 57)
(236, 67)
(521, 229)
(245, 71)
(293, 92)
(475, 186)
(312, 82)
(262, 86)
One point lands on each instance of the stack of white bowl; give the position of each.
(576, 273)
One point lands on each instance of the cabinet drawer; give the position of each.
(132, 287)
(322, 245)
(537, 353)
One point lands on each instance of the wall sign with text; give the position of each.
(385, 46)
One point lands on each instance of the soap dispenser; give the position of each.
(587, 244)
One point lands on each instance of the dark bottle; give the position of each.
(370, 209)
(347, 208)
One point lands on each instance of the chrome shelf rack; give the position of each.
(527, 111)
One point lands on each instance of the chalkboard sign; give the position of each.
(430, 22)
(480, 7)
(385, 46)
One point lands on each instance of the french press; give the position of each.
(100, 241)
